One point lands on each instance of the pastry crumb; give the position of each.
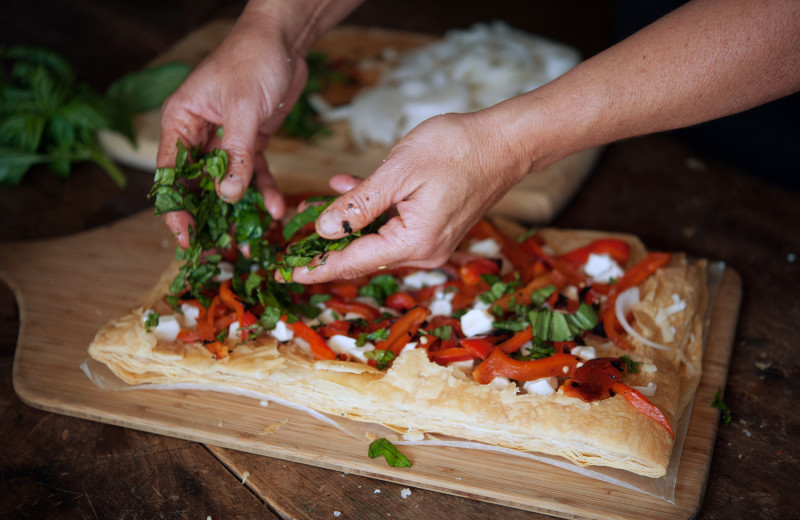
(405, 492)
(244, 476)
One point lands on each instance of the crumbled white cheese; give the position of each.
(346, 345)
(413, 435)
(476, 322)
(543, 386)
(167, 329)
(422, 279)
(602, 268)
(500, 382)
(487, 248)
(647, 391)
(585, 353)
(190, 315)
(328, 316)
(571, 292)
(234, 331)
(441, 306)
(225, 272)
(465, 366)
(281, 332)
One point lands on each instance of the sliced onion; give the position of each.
(626, 300)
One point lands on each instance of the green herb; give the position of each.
(444, 332)
(378, 335)
(539, 296)
(517, 325)
(631, 366)
(47, 116)
(308, 215)
(303, 121)
(497, 290)
(379, 288)
(725, 413)
(527, 234)
(151, 321)
(538, 350)
(558, 326)
(319, 298)
(383, 358)
(390, 452)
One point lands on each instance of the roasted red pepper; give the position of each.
(402, 330)
(593, 379)
(478, 347)
(450, 355)
(516, 341)
(471, 272)
(641, 403)
(400, 301)
(613, 247)
(499, 364)
(367, 312)
(319, 348)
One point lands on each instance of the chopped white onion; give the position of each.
(626, 300)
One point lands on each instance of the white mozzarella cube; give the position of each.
(476, 322)
(487, 248)
(500, 382)
(543, 386)
(225, 272)
(465, 366)
(347, 345)
(167, 329)
(281, 332)
(602, 268)
(190, 315)
(234, 331)
(585, 353)
(422, 279)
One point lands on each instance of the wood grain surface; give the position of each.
(67, 288)
(306, 166)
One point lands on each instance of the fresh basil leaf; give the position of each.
(147, 89)
(319, 298)
(308, 215)
(539, 296)
(151, 321)
(725, 413)
(383, 358)
(631, 366)
(390, 452)
(379, 288)
(444, 332)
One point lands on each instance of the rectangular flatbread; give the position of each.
(428, 385)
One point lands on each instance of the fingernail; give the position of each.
(329, 223)
(231, 188)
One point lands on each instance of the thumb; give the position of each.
(356, 208)
(240, 130)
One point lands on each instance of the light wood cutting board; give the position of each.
(67, 288)
(301, 166)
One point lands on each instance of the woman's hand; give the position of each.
(438, 181)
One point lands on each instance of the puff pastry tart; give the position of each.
(571, 343)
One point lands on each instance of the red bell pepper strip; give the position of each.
(641, 403)
(450, 355)
(319, 348)
(335, 328)
(403, 330)
(510, 247)
(189, 336)
(219, 350)
(499, 364)
(478, 347)
(593, 379)
(470, 273)
(570, 273)
(400, 301)
(365, 311)
(205, 322)
(345, 291)
(523, 295)
(613, 247)
(516, 341)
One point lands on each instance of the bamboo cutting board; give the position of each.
(67, 288)
(300, 166)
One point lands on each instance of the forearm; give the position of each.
(302, 22)
(708, 59)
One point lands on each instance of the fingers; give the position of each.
(239, 140)
(343, 183)
(362, 203)
(265, 183)
(178, 223)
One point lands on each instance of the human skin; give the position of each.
(707, 59)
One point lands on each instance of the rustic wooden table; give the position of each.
(674, 197)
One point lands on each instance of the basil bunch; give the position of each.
(47, 116)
